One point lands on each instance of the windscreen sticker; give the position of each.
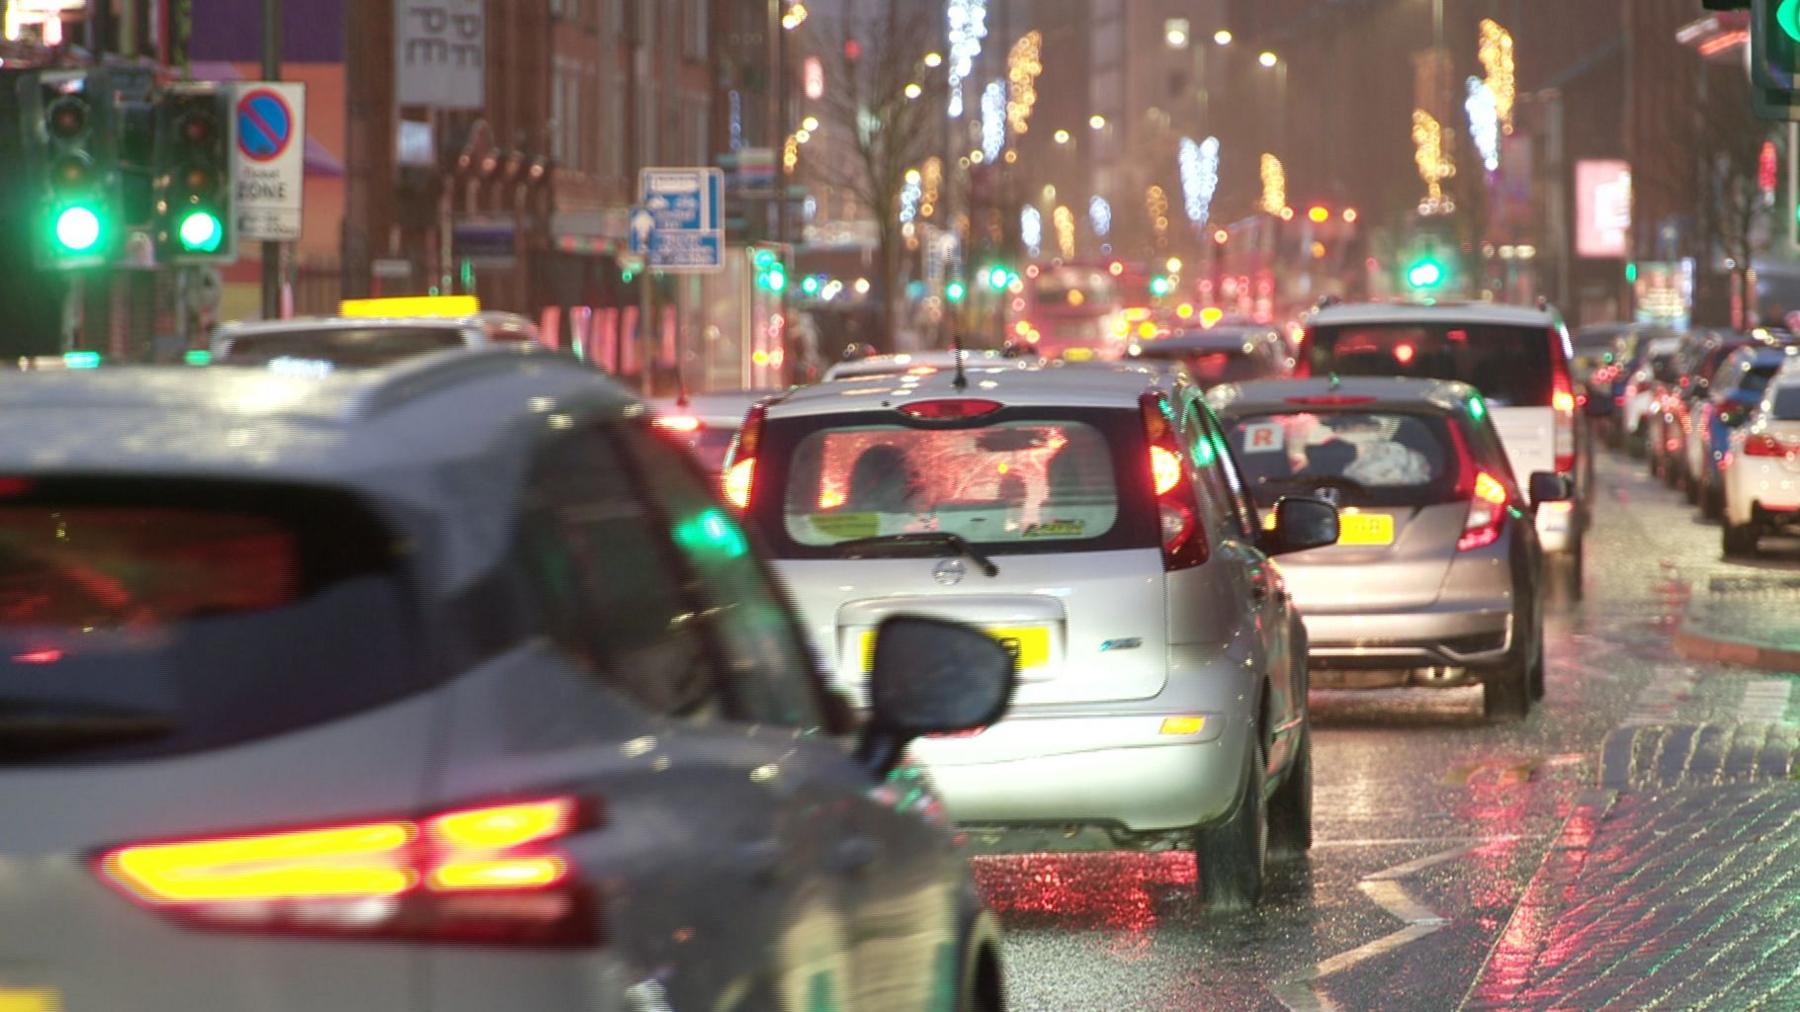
(1057, 529)
(1264, 437)
(846, 526)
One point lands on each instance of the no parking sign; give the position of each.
(268, 164)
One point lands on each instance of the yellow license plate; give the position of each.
(1030, 646)
(29, 1000)
(1365, 529)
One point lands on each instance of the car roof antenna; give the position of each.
(961, 382)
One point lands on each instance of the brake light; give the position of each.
(491, 875)
(1177, 508)
(1302, 358)
(10, 487)
(678, 423)
(740, 463)
(1487, 513)
(1562, 401)
(951, 409)
(1764, 445)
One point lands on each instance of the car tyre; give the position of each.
(1739, 540)
(1506, 693)
(981, 984)
(1712, 501)
(1233, 854)
(1568, 571)
(1290, 809)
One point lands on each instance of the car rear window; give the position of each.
(1371, 458)
(1510, 365)
(1021, 481)
(342, 347)
(1212, 367)
(141, 618)
(1787, 403)
(1756, 379)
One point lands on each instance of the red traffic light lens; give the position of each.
(67, 118)
(198, 128)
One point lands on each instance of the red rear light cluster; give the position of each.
(1764, 445)
(1487, 514)
(950, 409)
(1177, 507)
(487, 875)
(739, 478)
(1562, 402)
(678, 423)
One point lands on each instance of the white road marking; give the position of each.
(1659, 700)
(1765, 701)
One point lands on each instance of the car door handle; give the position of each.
(852, 855)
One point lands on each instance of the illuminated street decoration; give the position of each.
(1156, 202)
(993, 120)
(1496, 54)
(967, 27)
(1484, 122)
(1274, 183)
(1199, 163)
(1100, 215)
(1434, 162)
(1022, 70)
(1031, 229)
(910, 195)
(933, 181)
(1064, 220)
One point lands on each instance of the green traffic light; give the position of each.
(1160, 286)
(999, 278)
(1787, 15)
(81, 360)
(1425, 274)
(955, 291)
(810, 284)
(201, 232)
(777, 280)
(77, 229)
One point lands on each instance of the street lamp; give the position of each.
(934, 60)
(913, 90)
(1268, 59)
(1223, 36)
(1097, 121)
(1175, 33)
(1060, 137)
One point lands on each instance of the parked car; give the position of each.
(1652, 370)
(1671, 421)
(707, 423)
(446, 685)
(1222, 354)
(1731, 398)
(325, 343)
(1760, 473)
(1092, 519)
(1435, 579)
(1517, 357)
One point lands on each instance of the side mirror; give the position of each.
(931, 677)
(1301, 524)
(1548, 486)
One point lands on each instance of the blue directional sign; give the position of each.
(678, 223)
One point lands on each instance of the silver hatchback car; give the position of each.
(1092, 520)
(1435, 578)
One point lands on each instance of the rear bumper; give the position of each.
(1466, 635)
(1130, 781)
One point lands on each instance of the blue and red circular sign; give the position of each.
(265, 125)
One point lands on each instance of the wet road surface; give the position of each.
(1429, 823)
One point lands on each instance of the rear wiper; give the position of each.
(956, 544)
(30, 728)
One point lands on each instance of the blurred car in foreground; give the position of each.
(707, 423)
(445, 686)
(1221, 354)
(1731, 398)
(1517, 357)
(1091, 519)
(1435, 578)
(1760, 473)
(325, 343)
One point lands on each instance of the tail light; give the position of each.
(1562, 401)
(1764, 445)
(1487, 514)
(678, 423)
(1303, 360)
(491, 875)
(1177, 508)
(740, 464)
(950, 409)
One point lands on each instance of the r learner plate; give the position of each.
(42, 999)
(1365, 529)
(1029, 645)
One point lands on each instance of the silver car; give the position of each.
(1435, 578)
(1091, 520)
(442, 686)
(314, 344)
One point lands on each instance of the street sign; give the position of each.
(679, 222)
(268, 164)
(440, 53)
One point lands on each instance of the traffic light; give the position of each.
(1161, 285)
(1000, 277)
(1425, 273)
(191, 176)
(72, 162)
(956, 291)
(811, 284)
(1775, 53)
(771, 273)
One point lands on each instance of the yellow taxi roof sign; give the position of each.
(411, 305)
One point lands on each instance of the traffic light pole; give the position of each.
(271, 71)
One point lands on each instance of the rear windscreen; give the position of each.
(1370, 458)
(1209, 368)
(142, 619)
(1756, 379)
(1510, 365)
(342, 347)
(1021, 482)
(1787, 403)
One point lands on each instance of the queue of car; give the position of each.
(677, 704)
